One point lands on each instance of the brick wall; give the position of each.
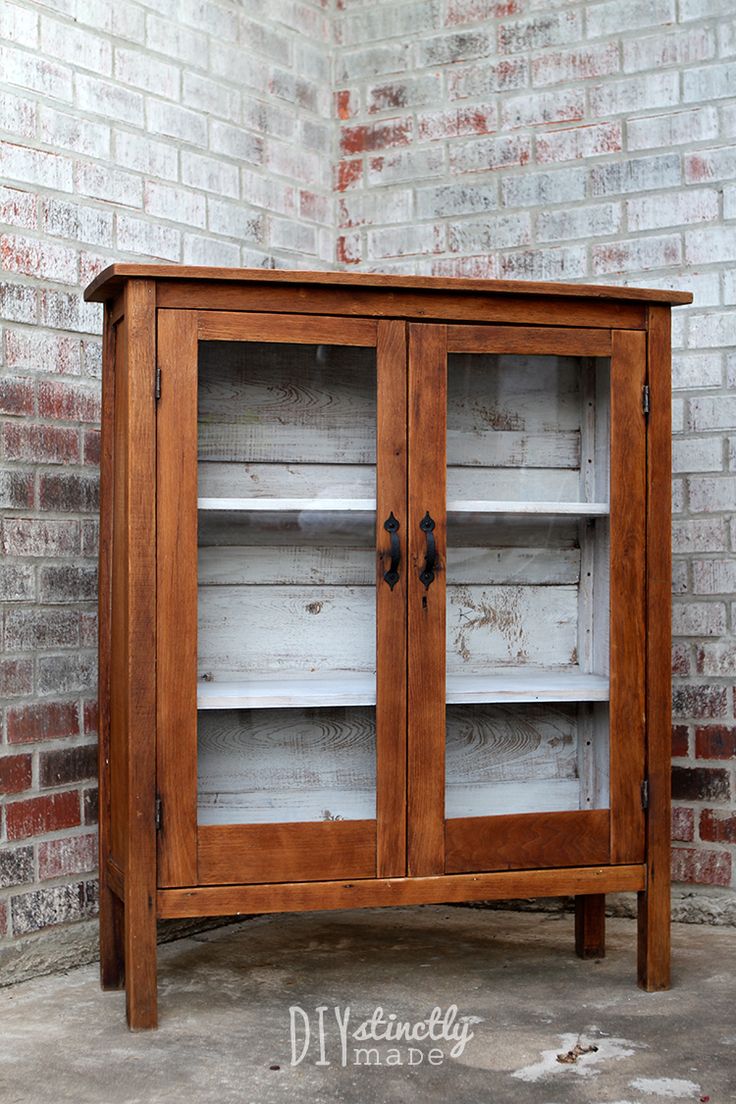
(181, 130)
(514, 138)
(553, 140)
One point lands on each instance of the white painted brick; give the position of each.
(682, 47)
(698, 618)
(576, 143)
(215, 19)
(85, 136)
(404, 20)
(272, 43)
(691, 371)
(142, 153)
(100, 181)
(697, 454)
(485, 80)
(235, 142)
(710, 494)
(226, 62)
(727, 38)
(61, 219)
(35, 73)
(134, 235)
(198, 250)
(235, 220)
(729, 202)
(545, 29)
(710, 164)
(632, 93)
(566, 263)
(61, 310)
(534, 108)
(708, 413)
(702, 9)
(716, 243)
(273, 195)
(698, 124)
(31, 166)
(710, 82)
(293, 236)
(678, 415)
(18, 25)
(122, 19)
(489, 153)
(616, 15)
(170, 120)
(211, 97)
(635, 175)
(541, 189)
(209, 174)
(699, 535)
(172, 202)
(140, 69)
(101, 97)
(412, 165)
(678, 496)
(714, 576)
(576, 64)
(44, 260)
(17, 116)
(579, 222)
(489, 234)
(352, 65)
(175, 41)
(440, 201)
(18, 208)
(651, 212)
(77, 47)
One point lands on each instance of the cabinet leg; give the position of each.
(653, 942)
(112, 940)
(140, 960)
(590, 925)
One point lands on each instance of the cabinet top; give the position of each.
(109, 282)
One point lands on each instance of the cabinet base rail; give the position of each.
(231, 900)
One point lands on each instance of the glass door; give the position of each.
(282, 440)
(526, 598)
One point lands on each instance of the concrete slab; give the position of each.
(522, 999)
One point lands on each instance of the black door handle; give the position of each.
(391, 526)
(430, 559)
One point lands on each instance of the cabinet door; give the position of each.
(527, 487)
(281, 632)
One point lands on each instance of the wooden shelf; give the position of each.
(291, 693)
(368, 505)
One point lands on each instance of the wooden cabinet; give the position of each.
(384, 600)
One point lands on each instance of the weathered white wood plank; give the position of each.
(313, 528)
(503, 798)
(511, 743)
(547, 509)
(527, 686)
(286, 564)
(290, 505)
(222, 480)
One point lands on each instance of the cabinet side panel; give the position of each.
(118, 629)
(177, 597)
(628, 620)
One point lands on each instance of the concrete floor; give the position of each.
(225, 1024)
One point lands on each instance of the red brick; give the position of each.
(16, 677)
(69, 493)
(3, 918)
(683, 825)
(377, 136)
(67, 765)
(680, 659)
(717, 827)
(28, 724)
(348, 175)
(91, 806)
(348, 249)
(701, 867)
(680, 744)
(91, 446)
(16, 395)
(68, 401)
(91, 721)
(346, 106)
(38, 815)
(699, 702)
(715, 742)
(700, 784)
(43, 444)
(60, 857)
(15, 773)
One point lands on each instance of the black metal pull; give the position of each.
(391, 526)
(430, 559)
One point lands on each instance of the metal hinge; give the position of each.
(645, 398)
(158, 384)
(159, 813)
(645, 794)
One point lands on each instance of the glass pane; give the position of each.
(527, 584)
(286, 647)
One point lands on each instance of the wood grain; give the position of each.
(103, 284)
(177, 597)
(590, 925)
(654, 904)
(112, 966)
(391, 623)
(286, 852)
(139, 615)
(542, 340)
(225, 900)
(627, 567)
(426, 617)
(290, 329)
(527, 840)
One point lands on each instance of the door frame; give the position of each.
(189, 854)
(530, 840)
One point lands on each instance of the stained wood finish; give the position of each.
(137, 661)
(112, 966)
(298, 329)
(590, 925)
(426, 747)
(110, 278)
(177, 597)
(525, 841)
(627, 567)
(255, 853)
(541, 340)
(654, 904)
(391, 643)
(369, 893)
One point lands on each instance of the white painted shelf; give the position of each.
(361, 690)
(368, 505)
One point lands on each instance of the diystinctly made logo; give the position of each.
(338, 1036)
